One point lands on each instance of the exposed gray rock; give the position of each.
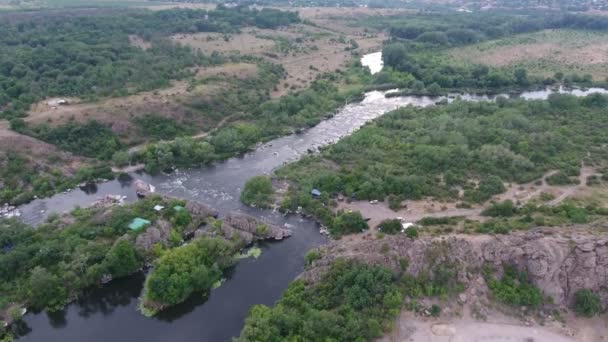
(159, 233)
(558, 263)
(258, 229)
(201, 210)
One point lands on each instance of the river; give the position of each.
(110, 314)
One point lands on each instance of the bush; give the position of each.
(560, 178)
(391, 226)
(348, 223)
(587, 303)
(312, 255)
(435, 310)
(258, 191)
(515, 288)
(411, 232)
(504, 209)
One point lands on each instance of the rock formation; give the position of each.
(260, 230)
(558, 261)
(246, 228)
(159, 233)
(197, 209)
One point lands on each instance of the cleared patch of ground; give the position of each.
(40, 155)
(120, 113)
(518, 193)
(543, 53)
(304, 51)
(139, 42)
(497, 328)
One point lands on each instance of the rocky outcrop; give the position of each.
(159, 233)
(197, 209)
(559, 262)
(239, 226)
(258, 229)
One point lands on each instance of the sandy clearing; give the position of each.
(497, 328)
(464, 331)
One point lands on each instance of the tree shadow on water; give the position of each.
(118, 293)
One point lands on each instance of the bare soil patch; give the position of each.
(518, 193)
(543, 53)
(497, 328)
(304, 51)
(139, 42)
(120, 113)
(39, 154)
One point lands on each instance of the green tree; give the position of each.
(45, 289)
(122, 259)
(258, 191)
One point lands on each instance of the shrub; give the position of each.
(258, 191)
(504, 209)
(347, 223)
(587, 303)
(391, 226)
(560, 178)
(435, 310)
(515, 288)
(411, 232)
(312, 255)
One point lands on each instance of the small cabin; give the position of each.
(315, 193)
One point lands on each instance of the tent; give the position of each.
(138, 223)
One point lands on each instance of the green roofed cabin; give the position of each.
(178, 208)
(138, 223)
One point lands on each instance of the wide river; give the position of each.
(110, 313)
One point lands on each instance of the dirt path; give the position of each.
(465, 331)
(201, 135)
(416, 210)
(586, 171)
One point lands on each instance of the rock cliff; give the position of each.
(558, 261)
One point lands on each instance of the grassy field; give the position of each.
(543, 53)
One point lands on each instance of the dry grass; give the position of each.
(313, 49)
(543, 53)
(39, 154)
(119, 113)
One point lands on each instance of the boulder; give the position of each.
(200, 210)
(142, 188)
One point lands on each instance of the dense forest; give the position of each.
(476, 147)
(91, 56)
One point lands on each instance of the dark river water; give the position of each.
(110, 313)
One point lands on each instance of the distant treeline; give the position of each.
(459, 29)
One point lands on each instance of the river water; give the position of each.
(110, 313)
